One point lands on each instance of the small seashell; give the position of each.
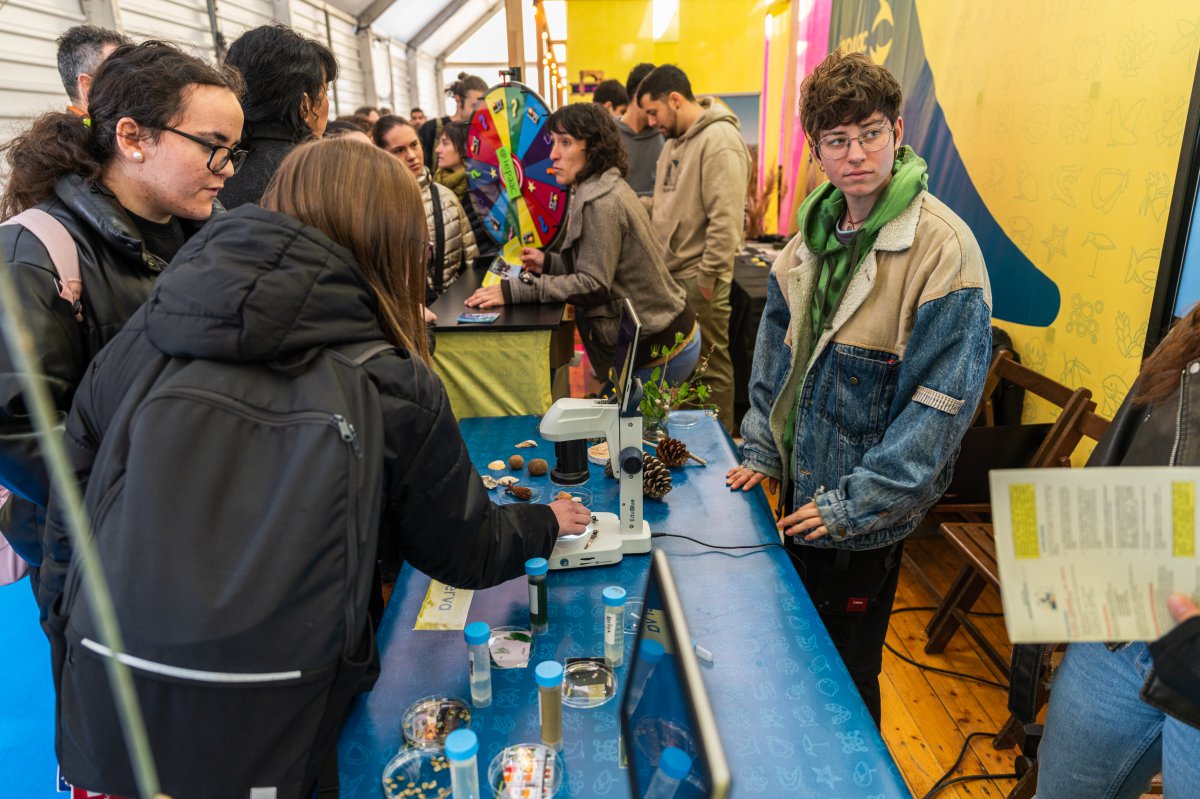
(507, 480)
(496, 465)
(529, 442)
(489, 482)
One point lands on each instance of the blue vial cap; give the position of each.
(674, 762)
(463, 744)
(536, 566)
(477, 632)
(614, 596)
(650, 651)
(548, 673)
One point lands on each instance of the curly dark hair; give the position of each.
(594, 126)
(281, 67)
(844, 89)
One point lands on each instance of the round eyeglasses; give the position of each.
(836, 147)
(219, 156)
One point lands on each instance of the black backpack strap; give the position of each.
(439, 241)
(361, 352)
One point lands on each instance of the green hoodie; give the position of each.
(836, 262)
(818, 217)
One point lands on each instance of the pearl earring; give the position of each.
(137, 156)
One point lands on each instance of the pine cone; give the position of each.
(656, 479)
(672, 452)
(608, 472)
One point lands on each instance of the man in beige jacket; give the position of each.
(699, 208)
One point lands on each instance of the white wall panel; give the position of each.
(430, 100)
(351, 89)
(184, 22)
(28, 59)
(239, 16)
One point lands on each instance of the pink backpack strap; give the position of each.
(64, 253)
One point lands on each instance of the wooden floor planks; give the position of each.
(927, 716)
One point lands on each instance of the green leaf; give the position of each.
(656, 374)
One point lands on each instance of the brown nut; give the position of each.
(538, 466)
(516, 462)
(562, 495)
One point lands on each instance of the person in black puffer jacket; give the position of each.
(286, 102)
(130, 193)
(1119, 714)
(260, 291)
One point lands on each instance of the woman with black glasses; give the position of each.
(129, 184)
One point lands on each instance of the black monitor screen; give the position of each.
(665, 703)
(625, 354)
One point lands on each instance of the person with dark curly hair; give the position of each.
(287, 79)
(608, 254)
(870, 359)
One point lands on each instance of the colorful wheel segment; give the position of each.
(508, 170)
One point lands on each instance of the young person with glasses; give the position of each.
(130, 183)
(870, 358)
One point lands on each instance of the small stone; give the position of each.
(538, 467)
(496, 465)
(529, 442)
(563, 495)
(516, 462)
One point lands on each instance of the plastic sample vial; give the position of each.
(614, 625)
(650, 652)
(479, 662)
(549, 678)
(539, 613)
(461, 748)
(673, 765)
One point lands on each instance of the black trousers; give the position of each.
(853, 591)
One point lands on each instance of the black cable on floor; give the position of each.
(944, 781)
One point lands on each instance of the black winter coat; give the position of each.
(268, 146)
(258, 286)
(118, 273)
(1165, 433)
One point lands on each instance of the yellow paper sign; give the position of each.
(445, 607)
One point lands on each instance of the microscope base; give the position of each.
(603, 546)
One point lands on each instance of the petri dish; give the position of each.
(683, 421)
(510, 647)
(633, 614)
(417, 774)
(525, 771)
(588, 682)
(428, 721)
(505, 498)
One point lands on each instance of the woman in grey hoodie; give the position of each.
(607, 254)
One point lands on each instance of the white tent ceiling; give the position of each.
(435, 27)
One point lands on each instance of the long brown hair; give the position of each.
(1159, 377)
(146, 82)
(365, 200)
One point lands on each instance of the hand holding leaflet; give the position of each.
(1094, 554)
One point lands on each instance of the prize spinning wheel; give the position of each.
(508, 169)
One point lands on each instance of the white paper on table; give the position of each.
(1092, 554)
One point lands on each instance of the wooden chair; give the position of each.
(973, 535)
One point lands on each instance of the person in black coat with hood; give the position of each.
(131, 183)
(286, 102)
(268, 287)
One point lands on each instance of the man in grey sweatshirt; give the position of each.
(699, 208)
(642, 141)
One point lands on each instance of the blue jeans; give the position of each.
(1102, 741)
(681, 365)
